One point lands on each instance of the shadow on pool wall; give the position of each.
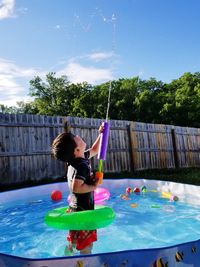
(181, 255)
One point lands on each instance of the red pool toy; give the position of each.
(56, 195)
(136, 190)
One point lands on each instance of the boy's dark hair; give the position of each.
(63, 147)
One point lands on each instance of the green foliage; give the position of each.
(22, 107)
(132, 99)
(183, 101)
(150, 101)
(185, 175)
(57, 96)
(5, 109)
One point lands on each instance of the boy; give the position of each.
(71, 149)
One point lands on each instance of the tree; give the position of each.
(123, 93)
(123, 96)
(57, 96)
(149, 101)
(183, 101)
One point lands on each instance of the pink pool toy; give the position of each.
(100, 194)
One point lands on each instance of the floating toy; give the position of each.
(56, 195)
(155, 206)
(153, 190)
(129, 190)
(133, 205)
(100, 217)
(100, 195)
(124, 197)
(136, 190)
(143, 189)
(169, 196)
(102, 150)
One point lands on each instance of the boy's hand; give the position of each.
(101, 127)
(94, 179)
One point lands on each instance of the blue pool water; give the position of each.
(143, 221)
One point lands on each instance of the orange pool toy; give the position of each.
(133, 205)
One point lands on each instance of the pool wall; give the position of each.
(181, 255)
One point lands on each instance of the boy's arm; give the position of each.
(79, 186)
(95, 147)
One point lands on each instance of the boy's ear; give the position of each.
(76, 150)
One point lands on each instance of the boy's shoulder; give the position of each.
(78, 162)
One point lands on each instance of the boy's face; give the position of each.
(81, 145)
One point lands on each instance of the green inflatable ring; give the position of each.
(100, 217)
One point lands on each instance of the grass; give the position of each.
(186, 175)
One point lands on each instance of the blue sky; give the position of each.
(95, 41)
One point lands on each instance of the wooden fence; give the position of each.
(25, 141)
(164, 146)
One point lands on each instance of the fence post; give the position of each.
(131, 142)
(176, 161)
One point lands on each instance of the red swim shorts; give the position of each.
(82, 238)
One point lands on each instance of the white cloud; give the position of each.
(14, 79)
(10, 91)
(93, 68)
(14, 82)
(6, 8)
(78, 73)
(100, 56)
(7, 82)
(9, 68)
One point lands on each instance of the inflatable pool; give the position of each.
(181, 255)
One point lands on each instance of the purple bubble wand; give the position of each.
(104, 136)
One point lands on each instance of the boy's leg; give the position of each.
(87, 250)
(69, 249)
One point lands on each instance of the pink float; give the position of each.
(100, 195)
